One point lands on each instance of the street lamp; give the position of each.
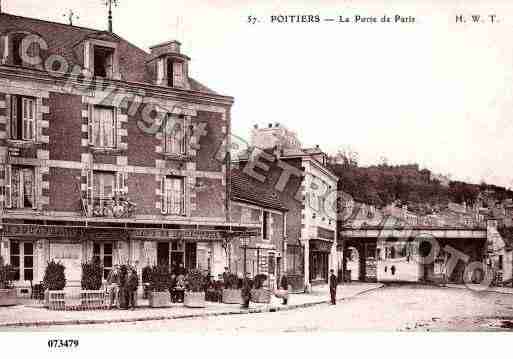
(244, 241)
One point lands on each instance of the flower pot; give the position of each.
(159, 299)
(194, 299)
(232, 296)
(262, 295)
(8, 297)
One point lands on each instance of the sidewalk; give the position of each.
(501, 290)
(35, 315)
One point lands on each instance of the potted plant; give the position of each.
(159, 287)
(194, 296)
(7, 292)
(232, 293)
(260, 294)
(91, 296)
(146, 278)
(54, 282)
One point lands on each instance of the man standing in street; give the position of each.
(333, 287)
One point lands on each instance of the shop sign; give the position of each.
(322, 246)
(325, 233)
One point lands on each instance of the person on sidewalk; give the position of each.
(284, 285)
(333, 287)
(113, 287)
(247, 284)
(133, 283)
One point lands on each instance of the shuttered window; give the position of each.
(102, 127)
(174, 135)
(20, 188)
(23, 118)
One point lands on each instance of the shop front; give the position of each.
(319, 260)
(29, 247)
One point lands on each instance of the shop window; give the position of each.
(20, 188)
(23, 118)
(102, 127)
(173, 195)
(22, 260)
(174, 135)
(265, 225)
(103, 252)
(103, 61)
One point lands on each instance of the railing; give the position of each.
(87, 300)
(117, 207)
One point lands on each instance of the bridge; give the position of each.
(394, 253)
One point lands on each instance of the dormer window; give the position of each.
(16, 49)
(103, 61)
(174, 73)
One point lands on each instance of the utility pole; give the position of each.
(109, 4)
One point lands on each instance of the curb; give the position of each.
(273, 309)
(482, 291)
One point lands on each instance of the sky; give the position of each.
(435, 92)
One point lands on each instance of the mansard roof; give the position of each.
(67, 41)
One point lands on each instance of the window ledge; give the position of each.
(105, 150)
(22, 211)
(21, 143)
(177, 157)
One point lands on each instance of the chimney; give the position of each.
(270, 125)
(255, 127)
(277, 124)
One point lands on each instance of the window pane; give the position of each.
(16, 188)
(28, 187)
(28, 262)
(28, 274)
(107, 261)
(107, 248)
(15, 248)
(28, 248)
(17, 274)
(15, 261)
(96, 248)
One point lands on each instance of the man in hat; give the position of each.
(113, 286)
(333, 287)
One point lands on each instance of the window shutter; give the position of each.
(36, 186)
(90, 125)
(125, 183)
(163, 206)
(28, 117)
(7, 186)
(14, 117)
(160, 71)
(89, 192)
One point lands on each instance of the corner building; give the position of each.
(85, 174)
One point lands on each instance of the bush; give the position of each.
(7, 275)
(259, 280)
(160, 279)
(233, 281)
(92, 275)
(146, 274)
(195, 281)
(54, 278)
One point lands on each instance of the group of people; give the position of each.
(177, 285)
(122, 284)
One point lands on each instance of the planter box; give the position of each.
(55, 299)
(8, 297)
(92, 299)
(232, 296)
(194, 299)
(159, 299)
(262, 295)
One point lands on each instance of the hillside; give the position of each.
(408, 184)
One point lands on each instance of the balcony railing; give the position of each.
(113, 207)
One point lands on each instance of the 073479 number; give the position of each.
(62, 343)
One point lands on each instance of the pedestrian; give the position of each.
(123, 287)
(284, 285)
(226, 273)
(333, 287)
(132, 285)
(113, 287)
(246, 291)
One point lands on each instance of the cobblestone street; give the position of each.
(392, 308)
